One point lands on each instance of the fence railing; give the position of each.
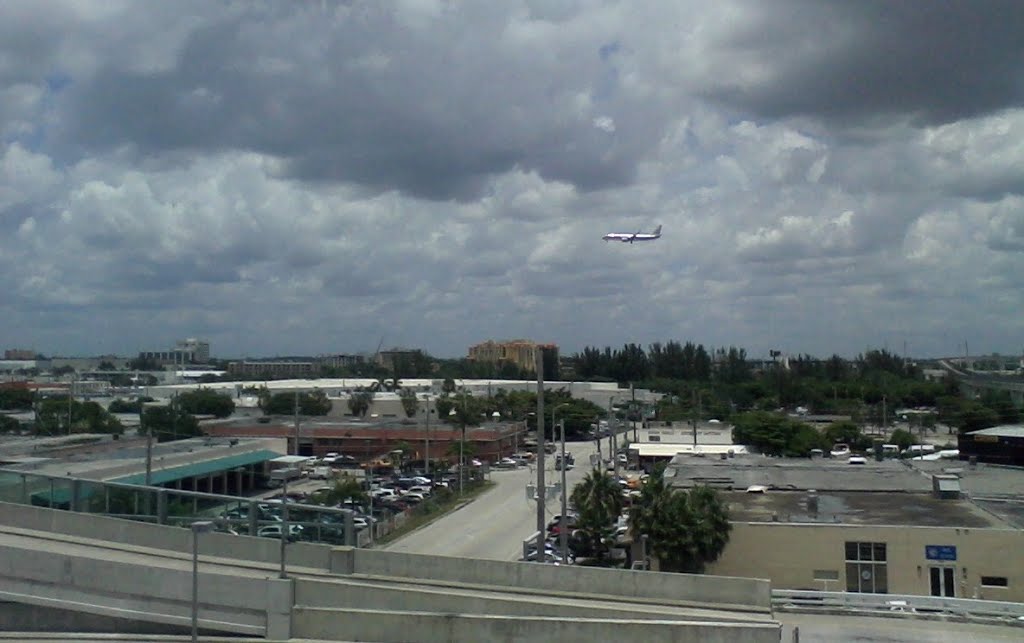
(174, 507)
(893, 604)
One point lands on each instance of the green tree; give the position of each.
(448, 386)
(15, 399)
(205, 401)
(598, 501)
(129, 406)
(56, 417)
(144, 364)
(169, 423)
(685, 529)
(902, 438)
(847, 433)
(8, 424)
(409, 402)
(776, 435)
(345, 488)
(314, 403)
(359, 401)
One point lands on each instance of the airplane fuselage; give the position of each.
(630, 237)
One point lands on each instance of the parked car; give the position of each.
(274, 531)
(506, 463)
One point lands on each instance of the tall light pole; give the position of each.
(283, 475)
(462, 442)
(426, 447)
(296, 422)
(563, 536)
(200, 527)
(538, 361)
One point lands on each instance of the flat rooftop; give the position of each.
(119, 459)
(859, 508)
(825, 490)
(796, 474)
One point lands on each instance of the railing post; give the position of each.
(24, 489)
(74, 503)
(161, 507)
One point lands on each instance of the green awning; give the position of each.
(199, 469)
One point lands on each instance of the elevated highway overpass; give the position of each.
(973, 383)
(136, 577)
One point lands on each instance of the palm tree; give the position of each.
(598, 500)
(711, 525)
(685, 529)
(347, 488)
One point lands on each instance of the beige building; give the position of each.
(517, 351)
(928, 528)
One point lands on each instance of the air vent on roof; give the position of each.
(945, 486)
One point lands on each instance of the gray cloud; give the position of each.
(298, 178)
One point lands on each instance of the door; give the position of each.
(943, 581)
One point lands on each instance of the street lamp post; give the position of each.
(563, 538)
(283, 475)
(200, 527)
(426, 446)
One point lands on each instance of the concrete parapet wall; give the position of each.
(136, 589)
(718, 591)
(385, 626)
(353, 594)
(141, 534)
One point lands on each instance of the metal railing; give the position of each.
(896, 604)
(159, 505)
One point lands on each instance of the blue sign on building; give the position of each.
(940, 552)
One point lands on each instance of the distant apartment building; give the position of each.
(19, 354)
(340, 361)
(517, 351)
(273, 369)
(185, 351)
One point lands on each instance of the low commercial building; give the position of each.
(997, 445)
(880, 527)
(367, 440)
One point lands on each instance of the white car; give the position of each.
(420, 489)
(274, 531)
(384, 493)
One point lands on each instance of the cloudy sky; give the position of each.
(314, 177)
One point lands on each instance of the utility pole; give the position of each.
(632, 408)
(296, 422)
(149, 446)
(693, 420)
(613, 446)
(538, 362)
(462, 441)
(563, 536)
(71, 397)
(426, 447)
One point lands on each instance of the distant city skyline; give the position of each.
(215, 354)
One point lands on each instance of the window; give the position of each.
(866, 569)
(994, 581)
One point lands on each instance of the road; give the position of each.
(493, 526)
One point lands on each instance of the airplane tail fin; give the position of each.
(657, 230)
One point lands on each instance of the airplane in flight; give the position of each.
(630, 237)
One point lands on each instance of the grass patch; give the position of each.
(431, 510)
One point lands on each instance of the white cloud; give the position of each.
(302, 178)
